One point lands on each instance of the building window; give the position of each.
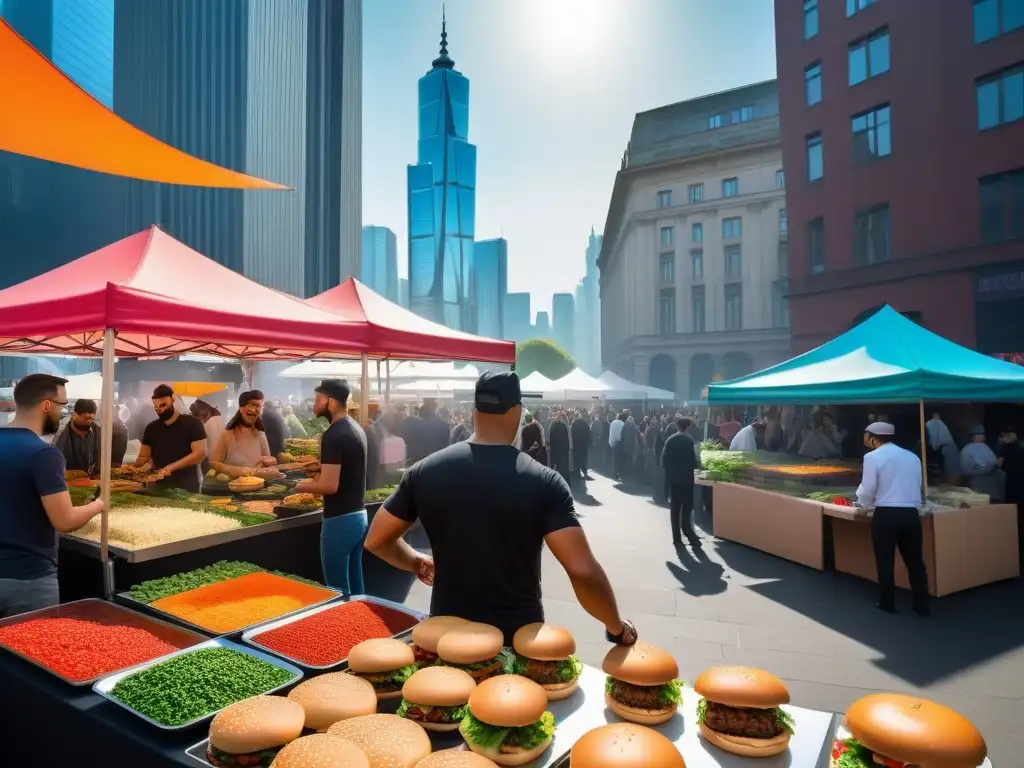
(869, 57)
(697, 261)
(732, 228)
(996, 17)
(1000, 98)
(696, 192)
(667, 268)
(815, 161)
(812, 84)
(734, 307)
(780, 179)
(733, 263)
(697, 232)
(871, 236)
(667, 311)
(668, 235)
(783, 257)
(783, 222)
(810, 18)
(743, 114)
(1002, 206)
(852, 6)
(715, 121)
(780, 304)
(816, 245)
(730, 187)
(871, 136)
(697, 308)
(665, 198)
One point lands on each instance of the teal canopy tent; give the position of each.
(885, 359)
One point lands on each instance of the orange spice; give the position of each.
(229, 605)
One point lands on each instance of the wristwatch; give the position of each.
(617, 639)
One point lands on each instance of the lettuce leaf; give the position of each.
(487, 736)
(403, 674)
(508, 660)
(670, 694)
(784, 720)
(857, 757)
(491, 737)
(455, 714)
(570, 669)
(702, 711)
(609, 683)
(529, 736)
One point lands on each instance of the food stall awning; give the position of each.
(393, 331)
(887, 358)
(536, 382)
(403, 370)
(577, 385)
(47, 116)
(162, 298)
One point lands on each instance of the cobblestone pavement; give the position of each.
(818, 631)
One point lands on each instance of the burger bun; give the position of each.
(426, 634)
(741, 687)
(640, 716)
(508, 701)
(332, 697)
(640, 664)
(746, 747)
(439, 687)
(455, 758)
(255, 724)
(372, 657)
(544, 642)
(470, 643)
(321, 751)
(516, 757)
(623, 745)
(388, 740)
(559, 691)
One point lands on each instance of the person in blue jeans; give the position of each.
(342, 483)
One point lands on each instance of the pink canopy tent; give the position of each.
(392, 331)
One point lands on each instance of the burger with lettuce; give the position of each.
(740, 711)
(436, 698)
(385, 664)
(642, 685)
(507, 721)
(544, 653)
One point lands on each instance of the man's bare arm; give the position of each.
(589, 581)
(384, 539)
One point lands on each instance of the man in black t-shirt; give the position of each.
(488, 511)
(175, 444)
(342, 483)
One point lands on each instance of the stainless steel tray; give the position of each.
(57, 609)
(198, 753)
(235, 632)
(104, 686)
(250, 636)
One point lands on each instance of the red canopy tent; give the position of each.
(393, 331)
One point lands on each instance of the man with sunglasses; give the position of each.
(35, 503)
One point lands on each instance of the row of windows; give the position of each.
(733, 258)
(993, 18)
(871, 241)
(733, 308)
(1000, 98)
(732, 227)
(730, 188)
(812, 24)
(872, 140)
(867, 58)
(741, 115)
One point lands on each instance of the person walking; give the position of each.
(679, 461)
(559, 448)
(487, 567)
(580, 431)
(342, 483)
(615, 446)
(532, 440)
(891, 486)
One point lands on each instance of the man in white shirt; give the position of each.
(891, 486)
(615, 443)
(746, 438)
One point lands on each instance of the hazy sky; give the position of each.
(554, 86)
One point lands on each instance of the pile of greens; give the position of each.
(379, 494)
(316, 426)
(855, 756)
(492, 737)
(782, 719)
(155, 589)
(726, 466)
(711, 445)
(669, 693)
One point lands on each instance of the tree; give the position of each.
(545, 356)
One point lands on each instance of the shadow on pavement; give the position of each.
(697, 573)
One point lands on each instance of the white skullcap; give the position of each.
(881, 428)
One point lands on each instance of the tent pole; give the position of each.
(106, 455)
(387, 389)
(364, 391)
(378, 378)
(924, 454)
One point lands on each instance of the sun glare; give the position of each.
(573, 28)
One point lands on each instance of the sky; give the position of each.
(554, 87)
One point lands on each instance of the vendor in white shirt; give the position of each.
(891, 486)
(980, 467)
(746, 439)
(615, 443)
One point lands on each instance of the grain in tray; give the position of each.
(144, 526)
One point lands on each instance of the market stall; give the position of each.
(577, 386)
(885, 359)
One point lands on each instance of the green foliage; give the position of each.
(545, 356)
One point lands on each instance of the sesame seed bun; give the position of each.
(333, 697)
(470, 643)
(439, 687)
(640, 664)
(252, 725)
(428, 632)
(641, 716)
(389, 741)
(916, 731)
(508, 701)
(371, 657)
(544, 642)
(321, 751)
(455, 758)
(623, 745)
(517, 756)
(747, 747)
(741, 687)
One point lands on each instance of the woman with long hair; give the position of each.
(243, 447)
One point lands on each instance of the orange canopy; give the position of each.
(46, 115)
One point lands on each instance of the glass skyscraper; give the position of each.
(518, 318)
(442, 199)
(380, 261)
(563, 311)
(491, 285)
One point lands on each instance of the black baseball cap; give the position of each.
(497, 392)
(336, 388)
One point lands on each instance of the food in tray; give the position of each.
(75, 474)
(388, 740)
(426, 634)
(86, 640)
(506, 720)
(197, 683)
(251, 732)
(140, 527)
(268, 473)
(625, 745)
(436, 697)
(222, 501)
(475, 648)
(326, 637)
(321, 750)
(82, 482)
(303, 500)
(896, 731)
(228, 606)
(384, 663)
(243, 484)
(544, 653)
(642, 685)
(333, 697)
(149, 591)
(740, 711)
(806, 470)
(259, 507)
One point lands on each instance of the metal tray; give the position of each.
(235, 632)
(136, 616)
(105, 685)
(251, 635)
(198, 753)
(284, 512)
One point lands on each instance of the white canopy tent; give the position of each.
(536, 382)
(437, 387)
(576, 385)
(624, 389)
(403, 370)
(87, 386)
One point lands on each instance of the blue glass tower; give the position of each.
(442, 199)
(491, 286)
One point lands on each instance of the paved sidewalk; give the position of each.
(818, 631)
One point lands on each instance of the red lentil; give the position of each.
(87, 640)
(327, 637)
